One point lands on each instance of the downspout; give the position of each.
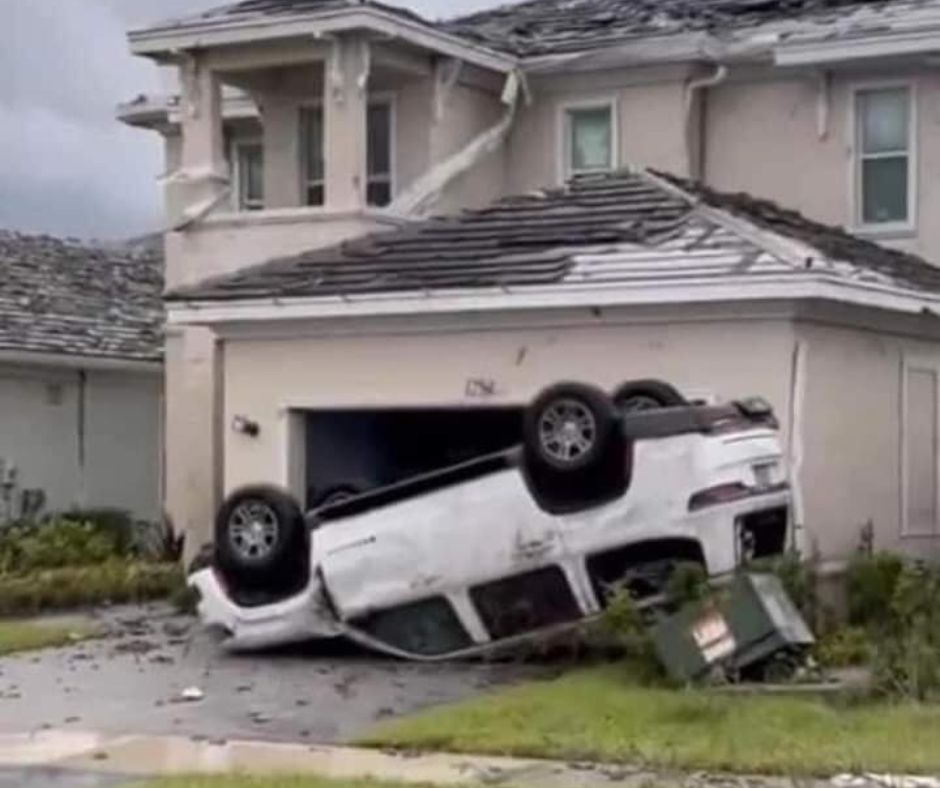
(425, 191)
(695, 133)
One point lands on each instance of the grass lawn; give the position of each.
(601, 714)
(16, 636)
(267, 782)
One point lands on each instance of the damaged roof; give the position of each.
(250, 10)
(553, 27)
(63, 297)
(620, 229)
(541, 27)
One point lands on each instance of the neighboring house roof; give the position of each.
(617, 232)
(62, 297)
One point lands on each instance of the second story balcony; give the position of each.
(281, 138)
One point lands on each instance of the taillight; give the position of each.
(722, 493)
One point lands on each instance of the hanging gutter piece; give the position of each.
(426, 190)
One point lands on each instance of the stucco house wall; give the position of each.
(392, 364)
(83, 438)
(853, 414)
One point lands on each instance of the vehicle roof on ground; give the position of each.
(65, 297)
(546, 27)
(619, 228)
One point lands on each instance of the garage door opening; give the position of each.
(351, 452)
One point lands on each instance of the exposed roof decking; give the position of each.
(618, 230)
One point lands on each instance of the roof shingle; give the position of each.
(62, 297)
(605, 229)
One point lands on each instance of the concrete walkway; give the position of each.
(74, 759)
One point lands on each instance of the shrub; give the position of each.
(907, 653)
(845, 647)
(871, 583)
(115, 582)
(116, 524)
(29, 547)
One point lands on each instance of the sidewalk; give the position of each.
(113, 758)
(95, 759)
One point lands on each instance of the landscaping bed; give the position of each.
(84, 559)
(628, 712)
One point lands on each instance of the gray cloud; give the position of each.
(67, 167)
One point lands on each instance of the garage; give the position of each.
(343, 355)
(348, 452)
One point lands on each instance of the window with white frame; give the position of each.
(589, 136)
(379, 184)
(884, 153)
(919, 443)
(379, 154)
(312, 171)
(249, 174)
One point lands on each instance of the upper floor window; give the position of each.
(249, 174)
(312, 181)
(590, 139)
(884, 152)
(379, 143)
(379, 188)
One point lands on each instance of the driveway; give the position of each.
(132, 681)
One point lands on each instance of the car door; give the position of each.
(438, 573)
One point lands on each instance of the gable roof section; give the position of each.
(65, 298)
(627, 232)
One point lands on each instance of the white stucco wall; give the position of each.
(763, 137)
(103, 453)
(852, 434)
(401, 366)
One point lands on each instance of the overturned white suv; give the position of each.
(604, 492)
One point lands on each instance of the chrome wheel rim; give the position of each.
(567, 431)
(639, 404)
(253, 530)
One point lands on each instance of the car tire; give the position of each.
(260, 538)
(574, 451)
(644, 395)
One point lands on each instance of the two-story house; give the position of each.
(303, 124)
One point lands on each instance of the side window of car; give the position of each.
(427, 628)
(526, 602)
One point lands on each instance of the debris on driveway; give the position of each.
(100, 685)
(192, 695)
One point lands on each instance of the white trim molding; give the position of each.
(91, 363)
(688, 290)
(919, 363)
(166, 42)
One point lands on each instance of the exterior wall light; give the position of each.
(245, 426)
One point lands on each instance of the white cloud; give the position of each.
(67, 167)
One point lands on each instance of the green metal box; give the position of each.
(754, 626)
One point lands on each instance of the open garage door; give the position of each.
(350, 452)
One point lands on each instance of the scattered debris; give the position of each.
(192, 695)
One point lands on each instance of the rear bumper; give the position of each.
(297, 619)
(759, 524)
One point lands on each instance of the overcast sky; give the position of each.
(67, 167)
